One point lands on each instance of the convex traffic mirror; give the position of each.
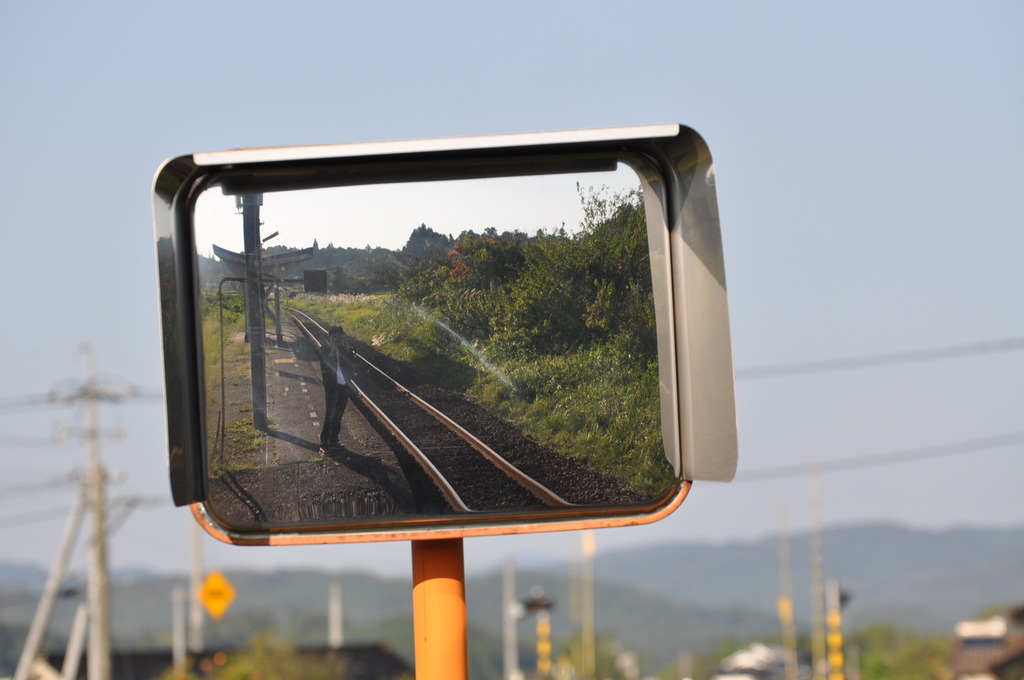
(444, 338)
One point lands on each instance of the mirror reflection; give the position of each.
(429, 349)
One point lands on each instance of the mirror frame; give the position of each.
(676, 170)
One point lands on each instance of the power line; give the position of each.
(30, 442)
(63, 398)
(885, 359)
(45, 485)
(31, 401)
(16, 598)
(882, 459)
(33, 517)
(128, 505)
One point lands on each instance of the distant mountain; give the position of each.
(21, 575)
(925, 580)
(658, 600)
(641, 619)
(294, 605)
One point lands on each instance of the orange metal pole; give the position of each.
(439, 609)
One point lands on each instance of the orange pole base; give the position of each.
(439, 609)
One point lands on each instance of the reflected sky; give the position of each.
(384, 215)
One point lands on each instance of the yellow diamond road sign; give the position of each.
(216, 594)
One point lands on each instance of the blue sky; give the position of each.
(869, 182)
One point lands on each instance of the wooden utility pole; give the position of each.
(587, 632)
(335, 617)
(195, 642)
(818, 657)
(98, 586)
(511, 613)
(786, 600)
(93, 498)
(44, 610)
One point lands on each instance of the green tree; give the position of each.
(593, 287)
(621, 307)
(426, 244)
(888, 653)
(267, 659)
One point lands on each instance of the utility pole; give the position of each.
(93, 498)
(179, 601)
(44, 610)
(98, 589)
(195, 609)
(512, 611)
(786, 600)
(76, 640)
(587, 623)
(818, 657)
(335, 617)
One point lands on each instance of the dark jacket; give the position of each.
(329, 365)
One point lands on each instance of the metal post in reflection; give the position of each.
(254, 319)
(277, 314)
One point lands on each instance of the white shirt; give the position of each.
(337, 364)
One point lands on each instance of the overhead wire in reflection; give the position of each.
(881, 459)
(885, 359)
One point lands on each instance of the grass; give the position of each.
(594, 405)
(400, 332)
(223, 329)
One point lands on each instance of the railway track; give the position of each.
(468, 472)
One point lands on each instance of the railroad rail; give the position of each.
(459, 466)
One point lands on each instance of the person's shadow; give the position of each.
(393, 483)
(295, 441)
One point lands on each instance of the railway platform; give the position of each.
(283, 476)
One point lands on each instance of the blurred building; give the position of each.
(990, 649)
(758, 662)
(361, 662)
